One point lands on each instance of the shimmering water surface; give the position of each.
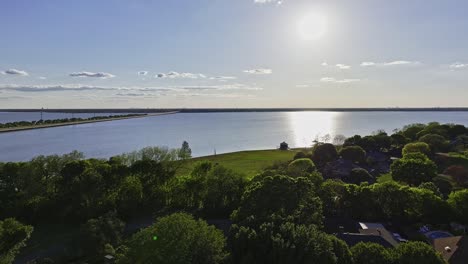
(225, 132)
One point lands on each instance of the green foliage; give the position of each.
(459, 202)
(436, 142)
(177, 238)
(371, 253)
(284, 242)
(283, 196)
(130, 195)
(301, 167)
(416, 253)
(359, 175)
(185, 152)
(353, 153)
(323, 153)
(431, 187)
(13, 237)
(100, 233)
(418, 147)
(414, 169)
(411, 131)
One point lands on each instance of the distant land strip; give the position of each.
(41, 126)
(220, 110)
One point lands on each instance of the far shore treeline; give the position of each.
(19, 124)
(158, 205)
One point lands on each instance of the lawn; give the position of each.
(246, 162)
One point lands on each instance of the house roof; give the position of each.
(371, 225)
(382, 232)
(353, 238)
(453, 249)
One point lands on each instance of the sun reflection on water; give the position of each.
(309, 126)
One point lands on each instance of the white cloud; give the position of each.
(390, 63)
(367, 64)
(183, 75)
(302, 85)
(259, 71)
(223, 78)
(278, 2)
(324, 64)
(15, 72)
(333, 80)
(142, 73)
(42, 78)
(458, 66)
(343, 67)
(103, 75)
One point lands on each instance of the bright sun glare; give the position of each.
(312, 26)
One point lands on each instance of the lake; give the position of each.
(207, 132)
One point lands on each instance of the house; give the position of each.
(453, 249)
(371, 232)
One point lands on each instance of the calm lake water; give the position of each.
(225, 132)
(6, 117)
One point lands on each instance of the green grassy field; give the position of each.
(246, 162)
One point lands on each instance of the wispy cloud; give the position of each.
(458, 66)
(333, 80)
(390, 63)
(343, 66)
(71, 88)
(259, 71)
(223, 78)
(15, 72)
(302, 85)
(42, 78)
(278, 2)
(142, 73)
(103, 75)
(182, 75)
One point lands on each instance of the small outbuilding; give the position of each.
(284, 146)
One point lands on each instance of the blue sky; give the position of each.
(233, 53)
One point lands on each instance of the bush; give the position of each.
(414, 169)
(359, 175)
(420, 147)
(323, 153)
(301, 167)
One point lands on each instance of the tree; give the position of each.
(185, 152)
(322, 153)
(459, 202)
(436, 142)
(419, 147)
(282, 196)
(177, 238)
(13, 237)
(353, 153)
(130, 195)
(431, 187)
(283, 242)
(414, 169)
(416, 253)
(370, 253)
(98, 232)
(301, 167)
(359, 175)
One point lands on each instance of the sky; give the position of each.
(233, 53)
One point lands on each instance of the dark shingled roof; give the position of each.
(458, 253)
(353, 238)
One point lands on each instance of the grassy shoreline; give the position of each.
(14, 129)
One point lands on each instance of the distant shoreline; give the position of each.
(221, 110)
(15, 129)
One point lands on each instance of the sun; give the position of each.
(312, 26)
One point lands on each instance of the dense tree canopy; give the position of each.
(177, 238)
(414, 169)
(13, 237)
